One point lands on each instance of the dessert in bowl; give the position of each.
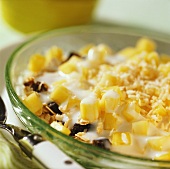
(99, 94)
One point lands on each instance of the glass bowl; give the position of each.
(72, 39)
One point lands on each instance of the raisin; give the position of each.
(79, 128)
(36, 86)
(39, 87)
(72, 54)
(29, 82)
(102, 142)
(54, 107)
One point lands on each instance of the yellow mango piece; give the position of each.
(36, 63)
(105, 49)
(145, 44)
(131, 111)
(70, 65)
(161, 143)
(109, 122)
(85, 49)
(34, 104)
(54, 54)
(59, 127)
(60, 94)
(164, 156)
(109, 101)
(89, 108)
(128, 52)
(152, 58)
(109, 80)
(121, 138)
(160, 110)
(140, 127)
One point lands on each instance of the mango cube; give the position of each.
(160, 110)
(145, 44)
(60, 94)
(152, 58)
(84, 50)
(69, 66)
(109, 80)
(109, 122)
(33, 103)
(121, 138)
(54, 54)
(95, 56)
(161, 143)
(36, 63)
(164, 156)
(128, 52)
(140, 127)
(105, 49)
(89, 108)
(110, 101)
(131, 111)
(59, 127)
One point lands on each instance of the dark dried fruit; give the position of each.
(79, 128)
(102, 142)
(72, 54)
(36, 86)
(54, 107)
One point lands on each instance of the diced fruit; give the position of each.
(60, 94)
(70, 65)
(36, 63)
(89, 108)
(105, 49)
(152, 58)
(128, 52)
(145, 44)
(33, 103)
(109, 121)
(161, 144)
(54, 54)
(109, 80)
(58, 126)
(160, 110)
(140, 127)
(164, 156)
(109, 101)
(79, 128)
(131, 111)
(84, 50)
(95, 56)
(121, 138)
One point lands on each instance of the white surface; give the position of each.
(57, 158)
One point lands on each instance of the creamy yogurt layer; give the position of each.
(117, 100)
